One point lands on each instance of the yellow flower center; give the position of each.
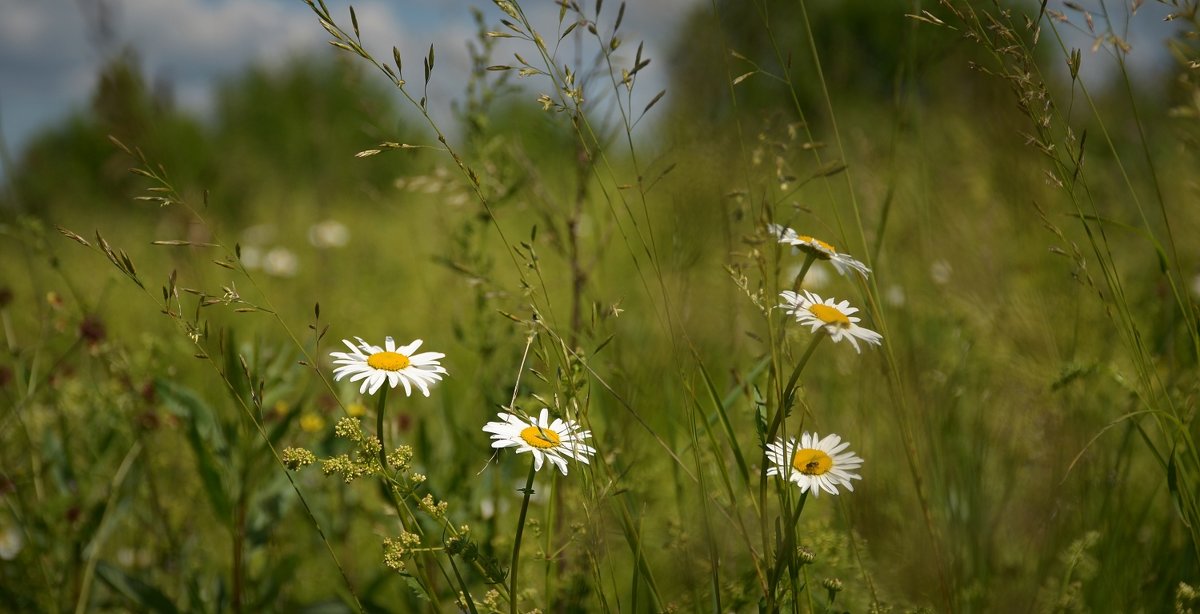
(819, 242)
(540, 437)
(811, 462)
(830, 315)
(388, 361)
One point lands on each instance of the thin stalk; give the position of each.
(383, 464)
(808, 589)
(789, 544)
(789, 391)
(101, 533)
(239, 548)
(391, 493)
(465, 591)
(785, 399)
(808, 260)
(516, 554)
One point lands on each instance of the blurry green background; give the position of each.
(1010, 379)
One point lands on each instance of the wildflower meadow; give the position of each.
(809, 306)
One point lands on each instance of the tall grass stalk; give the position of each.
(1182, 471)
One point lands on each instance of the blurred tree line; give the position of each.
(307, 118)
(875, 57)
(269, 129)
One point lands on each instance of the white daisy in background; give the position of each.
(280, 262)
(895, 296)
(836, 318)
(814, 464)
(259, 234)
(940, 272)
(251, 257)
(844, 263)
(11, 542)
(327, 234)
(554, 441)
(375, 365)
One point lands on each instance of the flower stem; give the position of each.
(516, 555)
(808, 260)
(786, 557)
(785, 400)
(808, 589)
(465, 591)
(422, 574)
(789, 391)
(383, 464)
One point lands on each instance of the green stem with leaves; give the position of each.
(785, 400)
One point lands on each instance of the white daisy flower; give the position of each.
(811, 310)
(793, 302)
(280, 262)
(554, 441)
(328, 233)
(844, 263)
(375, 365)
(814, 464)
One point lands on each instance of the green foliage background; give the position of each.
(1013, 460)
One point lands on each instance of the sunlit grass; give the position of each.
(1026, 424)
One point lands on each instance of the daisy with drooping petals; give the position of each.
(375, 365)
(810, 310)
(783, 234)
(554, 441)
(844, 263)
(814, 464)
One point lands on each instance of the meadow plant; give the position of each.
(669, 371)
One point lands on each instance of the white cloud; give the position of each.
(217, 36)
(49, 55)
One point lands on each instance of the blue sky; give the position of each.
(49, 55)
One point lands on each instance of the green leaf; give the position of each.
(1173, 488)
(147, 597)
(721, 406)
(203, 435)
(416, 587)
